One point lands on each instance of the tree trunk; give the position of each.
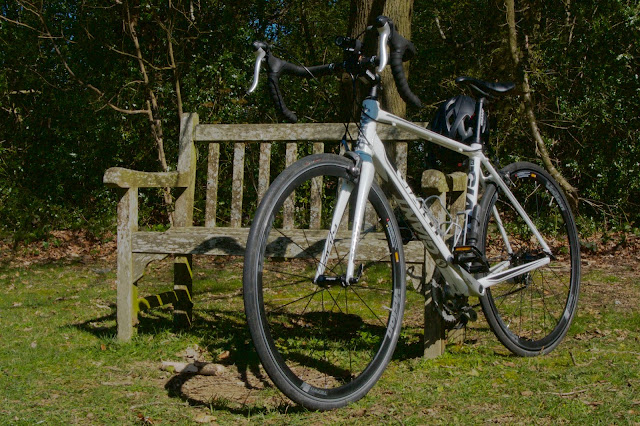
(522, 77)
(363, 13)
(401, 11)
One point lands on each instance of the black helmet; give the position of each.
(455, 119)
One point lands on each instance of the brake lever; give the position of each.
(384, 30)
(260, 52)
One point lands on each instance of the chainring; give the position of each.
(454, 309)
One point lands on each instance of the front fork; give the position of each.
(365, 175)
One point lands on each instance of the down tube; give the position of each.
(423, 226)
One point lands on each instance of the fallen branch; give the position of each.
(568, 393)
(196, 367)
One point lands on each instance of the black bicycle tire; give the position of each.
(517, 344)
(272, 360)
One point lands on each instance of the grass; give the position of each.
(60, 361)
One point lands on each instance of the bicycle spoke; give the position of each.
(297, 300)
(368, 307)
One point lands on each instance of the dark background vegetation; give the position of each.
(71, 78)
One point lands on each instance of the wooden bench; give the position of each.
(136, 249)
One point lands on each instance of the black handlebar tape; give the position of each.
(276, 67)
(397, 70)
(401, 50)
(276, 95)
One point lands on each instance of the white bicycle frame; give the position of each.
(374, 160)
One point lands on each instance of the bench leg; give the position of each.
(434, 329)
(126, 288)
(183, 286)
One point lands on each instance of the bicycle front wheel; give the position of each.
(324, 344)
(531, 313)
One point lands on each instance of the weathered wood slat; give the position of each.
(127, 292)
(289, 132)
(288, 208)
(237, 185)
(264, 169)
(187, 159)
(119, 177)
(212, 184)
(230, 241)
(315, 213)
(401, 158)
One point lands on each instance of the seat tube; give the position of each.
(473, 178)
(471, 202)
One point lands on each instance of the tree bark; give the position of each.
(363, 13)
(522, 77)
(401, 11)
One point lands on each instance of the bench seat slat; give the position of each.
(229, 241)
(289, 132)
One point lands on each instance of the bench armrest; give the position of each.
(120, 177)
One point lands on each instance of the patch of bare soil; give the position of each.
(230, 388)
(610, 270)
(611, 249)
(224, 385)
(609, 285)
(60, 246)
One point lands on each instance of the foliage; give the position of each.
(582, 58)
(58, 135)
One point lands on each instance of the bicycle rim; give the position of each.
(530, 314)
(324, 345)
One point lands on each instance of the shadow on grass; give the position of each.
(220, 328)
(217, 330)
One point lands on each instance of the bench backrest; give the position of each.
(266, 135)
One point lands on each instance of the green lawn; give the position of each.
(60, 362)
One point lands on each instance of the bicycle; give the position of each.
(325, 325)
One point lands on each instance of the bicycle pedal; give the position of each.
(470, 258)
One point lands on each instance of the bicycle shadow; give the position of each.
(220, 327)
(241, 388)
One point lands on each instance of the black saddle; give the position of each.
(486, 88)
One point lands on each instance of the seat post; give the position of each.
(480, 119)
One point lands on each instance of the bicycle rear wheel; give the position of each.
(530, 314)
(323, 344)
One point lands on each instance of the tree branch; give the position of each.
(176, 75)
(523, 82)
(18, 23)
(152, 106)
